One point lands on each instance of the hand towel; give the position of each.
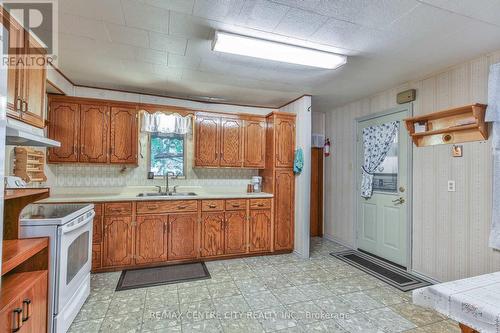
(298, 163)
(493, 115)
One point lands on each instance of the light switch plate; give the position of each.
(451, 186)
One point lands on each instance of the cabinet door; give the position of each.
(94, 133)
(117, 241)
(212, 234)
(231, 152)
(97, 229)
(151, 239)
(33, 111)
(124, 131)
(284, 210)
(64, 124)
(34, 305)
(285, 142)
(15, 72)
(8, 319)
(207, 141)
(182, 236)
(260, 230)
(235, 232)
(255, 144)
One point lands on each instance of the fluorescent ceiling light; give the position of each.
(266, 49)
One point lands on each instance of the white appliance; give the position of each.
(257, 184)
(69, 227)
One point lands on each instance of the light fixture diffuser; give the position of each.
(271, 50)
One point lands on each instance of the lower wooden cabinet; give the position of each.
(182, 232)
(151, 239)
(96, 256)
(235, 232)
(212, 234)
(260, 231)
(117, 243)
(284, 210)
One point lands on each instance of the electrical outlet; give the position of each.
(451, 186)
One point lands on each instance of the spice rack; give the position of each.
(29, 164)
(458, 125)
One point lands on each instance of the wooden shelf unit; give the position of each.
(17, 251)
(29, 164)
(458, 125)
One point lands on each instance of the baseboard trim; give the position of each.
(336, 240)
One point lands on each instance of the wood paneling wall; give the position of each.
(450, 229)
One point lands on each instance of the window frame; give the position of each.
(184, 169)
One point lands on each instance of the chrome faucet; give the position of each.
(167, 190)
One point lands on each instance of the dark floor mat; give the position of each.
(155, 276)
(382, 270)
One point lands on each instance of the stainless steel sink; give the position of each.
(164, 194)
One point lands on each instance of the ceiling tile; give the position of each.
(187, 26)
(181, 6)
(262, 14)
(177, 61)
(485, 10)
(151, 56)
(163, 42)
(127, 35)
(109, 10)
(139, 15)
(80, 26)
(217, 9)
(300, 24)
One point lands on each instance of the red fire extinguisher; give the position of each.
(326, 147)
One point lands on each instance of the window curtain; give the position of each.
(377, 141)
(493, 115)
(161, 123)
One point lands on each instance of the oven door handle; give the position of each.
(80, 224)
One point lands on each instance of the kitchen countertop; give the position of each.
(130, 194)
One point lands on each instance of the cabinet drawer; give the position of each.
(260, 203)
(212, 205)
(236, 204)
(118, 208)
(178, 206)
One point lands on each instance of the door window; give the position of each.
(385, 178)
(78, 256)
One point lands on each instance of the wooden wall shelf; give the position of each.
(25, 192)
(463, 124)
(17, 251)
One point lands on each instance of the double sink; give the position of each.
(167, 194)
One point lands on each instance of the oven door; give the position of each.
(74, 257)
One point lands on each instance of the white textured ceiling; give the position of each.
(163, 46)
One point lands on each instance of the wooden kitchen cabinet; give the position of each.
(260, 231)
(285, 142)
(124, 133)
(151, 239)
(284, 210)
(64, 127)
(212, 234)
(255, 144)
(235, 228)
(117, 241)
(207, 145)
(231, 143)
(94, 133)
(182, 236)
(15, 72)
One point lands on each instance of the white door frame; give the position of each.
(409, 198)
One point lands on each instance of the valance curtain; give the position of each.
(377, 141)
(493, 115)
(162, 123)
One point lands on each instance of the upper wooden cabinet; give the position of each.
(230, 141)
(207, 141)
(124, 131)
(26, 76)
(92, 131)
(285, 142)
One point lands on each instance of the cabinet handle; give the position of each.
(235, 205)
(181, 207)
(212, 206)
(25, 104)
(18, 322)
(74, 149)
(152, 207)
(164, 227)
(26, 309)
(260, 204)
(19, 104)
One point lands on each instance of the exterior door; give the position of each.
(382, 221)
(117, 241)
(255, 144)
(231, 143)
(64, 127)
(151, 239)
(260, 230)
(207, 141)
(285, 142)
(182, 236)
(236, 232)
(124, 133)
(212, 234)
(284, 210)
(94, 133)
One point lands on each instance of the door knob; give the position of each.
(399, 201)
